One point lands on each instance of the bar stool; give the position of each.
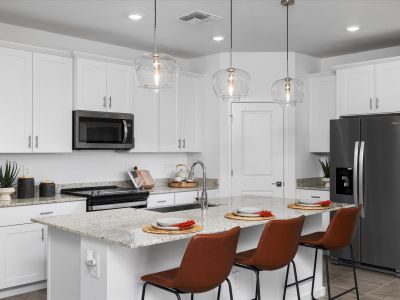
(206, 264)
(338, 236)
(276, 249)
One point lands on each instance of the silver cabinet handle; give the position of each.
(42, 233)
(161, 201)
(105, 102)
(361, 178)
(46, 213)
(355, 172)
(370, 103)
(37, 141)
(110, 105)
(125, 131)
(30, 142)
(179, 143)
(315, 197)
(184, 143)
(377, 103)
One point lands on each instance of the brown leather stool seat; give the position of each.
(339, 235)
(276, 249)
(206, 264)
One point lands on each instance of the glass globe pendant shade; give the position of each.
(288, 91)
(231, 84)
(156, 71)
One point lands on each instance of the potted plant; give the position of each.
(325, 165)
(8, 175)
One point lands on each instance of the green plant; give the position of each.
(9, 175)
(325, 167)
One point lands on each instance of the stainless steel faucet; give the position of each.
(203, 199)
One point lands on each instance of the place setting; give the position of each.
(173, 226)
(250, 214)
(311, 204)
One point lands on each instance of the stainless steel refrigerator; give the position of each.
(365, 169)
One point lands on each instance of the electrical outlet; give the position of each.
(95, 270)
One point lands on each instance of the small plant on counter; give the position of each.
(8, 175)
(325, 165)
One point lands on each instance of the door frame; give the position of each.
(289, 120)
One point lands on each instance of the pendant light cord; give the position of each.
(155, 26)
(287, 40)
(230, 52)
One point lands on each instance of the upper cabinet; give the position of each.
(368, 89)
(102, 86)
(36, 102)
(322, 91)
(168, 120)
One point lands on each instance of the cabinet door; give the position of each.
(356, 90)
(91, 85)
(189, 113)
(15, 101)
(185, 197)
(168, 121)
(52, 103)
(159, 200)
(145, 110)
(22, 250)
(387, 87)
(119, 88)
(322, 110)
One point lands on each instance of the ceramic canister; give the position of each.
(25, 187)
(47, 189)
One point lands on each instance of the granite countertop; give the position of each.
(311, 184)
(161, 187)
(124, 226)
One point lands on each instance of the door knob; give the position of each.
(278, 183)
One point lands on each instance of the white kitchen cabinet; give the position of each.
(387, 87)
(322, 91)
(185, 197)
(102, 86)
(15, 101)
(168, 120)
(356, 90)
(145, 110)
(159, 200)
(312, 194)
(52, 103)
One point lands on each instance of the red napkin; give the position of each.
(185, 225)
(325, 203)
(265, 213)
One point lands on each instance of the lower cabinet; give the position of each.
(179, 198)
(159, 200)
(312, 194)
(185, 197)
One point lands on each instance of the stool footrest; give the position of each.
(300, 281)
(343, 293)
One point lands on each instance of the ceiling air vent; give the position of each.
(198, 17)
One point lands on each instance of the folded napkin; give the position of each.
(185, 225)
(325, 203)
(265, 213)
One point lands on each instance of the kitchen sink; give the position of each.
(166, 209)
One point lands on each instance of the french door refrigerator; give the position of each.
(365, 169)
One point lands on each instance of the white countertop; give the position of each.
(124, 226)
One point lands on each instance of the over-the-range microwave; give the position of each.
(102, 130)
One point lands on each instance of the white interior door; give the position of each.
(119, 88)
(52, 99)
(257, 149)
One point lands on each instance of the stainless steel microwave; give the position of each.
(102, 130)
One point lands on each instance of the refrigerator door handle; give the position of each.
(355, 173)
(361, 178)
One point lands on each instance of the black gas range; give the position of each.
(109, 197)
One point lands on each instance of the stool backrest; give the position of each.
(278, 243)
(207, 262)
(341, 230)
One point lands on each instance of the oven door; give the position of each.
(102, 130)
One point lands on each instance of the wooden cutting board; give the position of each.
(182, 184)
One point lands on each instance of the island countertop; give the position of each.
(124, 226)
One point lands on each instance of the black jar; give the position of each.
(25, 187)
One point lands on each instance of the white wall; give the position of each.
(84, 166)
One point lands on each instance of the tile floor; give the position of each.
(373, 285)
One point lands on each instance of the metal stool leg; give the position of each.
(230, 288)
(258, 286)
(286, 280)
(191, 296)
(296, 280)
(313, 278)
(328, 283)
(144, 290)
(219, 292)
(178, 296)
(354, 271)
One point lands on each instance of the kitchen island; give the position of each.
(123, 252)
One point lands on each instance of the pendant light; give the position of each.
(155, 70)
(287, 91)
(232, 83)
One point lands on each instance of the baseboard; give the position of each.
(22, 289)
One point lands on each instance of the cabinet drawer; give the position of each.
(23, 214)
(185, 197)
(312, 194)
(161, 200)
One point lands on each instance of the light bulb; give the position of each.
(287, 91)
(231, 81)
(156, 66)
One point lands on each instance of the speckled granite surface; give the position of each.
(124, 226)
(161, 187)
(311, 184)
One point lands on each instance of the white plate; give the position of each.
(155, 225)
(237, 213)
(248, 210)
(309, 201)
(168, 222)
(301, 203)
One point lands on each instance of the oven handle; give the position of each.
(125, 132)
(119, 205)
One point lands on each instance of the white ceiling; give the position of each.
(259, 25)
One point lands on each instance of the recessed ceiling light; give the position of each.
(353, 28)
(218, 38)
(135, 17)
